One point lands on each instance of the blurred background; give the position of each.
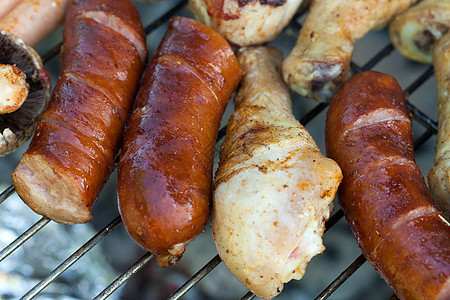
(113, 255)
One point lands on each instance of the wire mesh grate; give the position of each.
(429, 125)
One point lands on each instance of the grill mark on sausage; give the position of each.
(58, 121)
(185, 64)
(376, 117)
(77, 78)
(115, 23)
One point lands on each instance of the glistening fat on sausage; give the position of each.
(383, 194)
(73, 151)
(165, 168)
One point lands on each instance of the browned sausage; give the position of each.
(73, 152)
(383, 194)
(165, 169)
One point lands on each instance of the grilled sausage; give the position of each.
(73, 151)
(414, 32)
(273, 190)
(439, 175)
(320, 60)
(32, 20)
(165, 168)
(383, 194)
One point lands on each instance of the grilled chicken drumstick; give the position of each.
(273, 189)
(245, 23)
(439, 175)
(414, 32)
(320, 60)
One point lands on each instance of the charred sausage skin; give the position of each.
(383, 194)
(165, 169)
(73, 152)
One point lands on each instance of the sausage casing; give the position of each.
(74, 148)
(165, 169)
(383, 194)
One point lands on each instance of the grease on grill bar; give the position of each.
(427, 123)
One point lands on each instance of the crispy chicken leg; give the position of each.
(439, 176)
(320, 60)
(273, 190)
(414, 32)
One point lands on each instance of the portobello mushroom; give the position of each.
(20, 68)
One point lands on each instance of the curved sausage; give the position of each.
(73, 151)
(383, 194)
(165, 168)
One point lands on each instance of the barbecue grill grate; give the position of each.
(425, 128)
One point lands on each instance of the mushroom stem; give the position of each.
(13, 88)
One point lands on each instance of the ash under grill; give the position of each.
(325, 273)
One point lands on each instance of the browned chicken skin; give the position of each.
(273, 190)
(245, 23)
(320, 61)
(439, 175)
(414, 32)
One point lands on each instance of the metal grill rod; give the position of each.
(196, 278)
(125, 276)
(359, 261)
(165, 17)
(6, 193)
(23, 238)
(248, 296)
(72, 259)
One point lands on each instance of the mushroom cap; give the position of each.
(17, 127)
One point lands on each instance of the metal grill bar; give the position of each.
(51, 53)
(422, 118)
(125, 276)
(23, 238)
(423, 138)
(248, 296)
(196, 278)
(359, 261)
(72, 259)
(6, 193)
(165, 17)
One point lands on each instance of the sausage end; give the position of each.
(49, 192)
